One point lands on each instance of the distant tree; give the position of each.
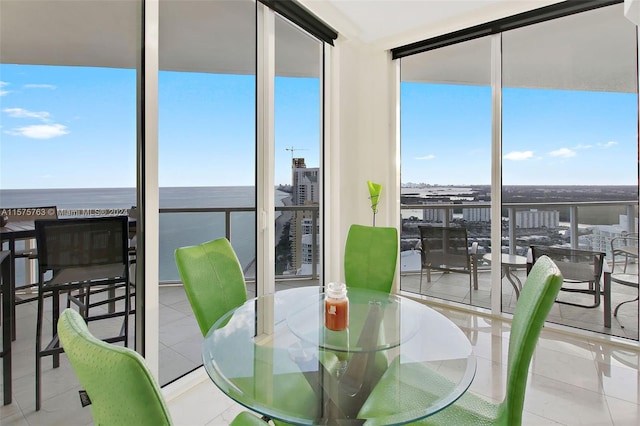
(283, 250)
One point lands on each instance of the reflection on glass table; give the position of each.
(275, 356)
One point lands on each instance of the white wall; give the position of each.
(363, 145)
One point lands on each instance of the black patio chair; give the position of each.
(581, 269)
(624, 248)
(447, 249)
(81, 257)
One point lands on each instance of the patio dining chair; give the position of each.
(581, 269)
(84, 256)
(370, 257)
(624, 264)
(447, 249)
(118, 384)
(399, 385)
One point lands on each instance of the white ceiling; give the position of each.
(391, 23)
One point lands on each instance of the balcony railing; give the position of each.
(508, 218)
(629, 207)
(287, 213)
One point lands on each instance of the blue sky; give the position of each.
(549, 137)
(72, 127)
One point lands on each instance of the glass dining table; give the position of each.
(275, 356)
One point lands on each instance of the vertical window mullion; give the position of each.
(496, 170)
(265, 140)
(147, 298)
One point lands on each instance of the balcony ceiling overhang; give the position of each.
(209, 36)
(195, 36)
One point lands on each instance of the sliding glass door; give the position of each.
(446, 166)
(564, 168)
(570, 146)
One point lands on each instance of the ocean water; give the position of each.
(176, 229)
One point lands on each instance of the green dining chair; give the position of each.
(214, 283)
(213, 280)
(399, 381)
(370, 257)
(118, 383)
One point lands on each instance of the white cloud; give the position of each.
(518, 155)
(608, 144)
(426, 157)
(23, 113)
(3, 92)
(583, 147)
(40, 131)
(40, 86)
(563, 152)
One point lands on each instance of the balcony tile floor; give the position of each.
(573, 380)
(455, 288)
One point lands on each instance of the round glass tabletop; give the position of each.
(274, 355)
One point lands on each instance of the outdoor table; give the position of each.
(509, 263)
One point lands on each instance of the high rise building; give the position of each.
(538, 219)
(603, 234)
(305, 192)
(477, 214)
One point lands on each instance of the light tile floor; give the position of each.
(573, 380)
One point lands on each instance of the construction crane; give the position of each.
(292, 148)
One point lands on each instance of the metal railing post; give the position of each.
(227, 224)
(314, 242)
(512, 230)
(573, 226)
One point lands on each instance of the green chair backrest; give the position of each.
(117, 380)
(536, 299)
(370, 257)
(213, 280)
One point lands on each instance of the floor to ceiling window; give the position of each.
(213, 115)
(298, 120)
(207, 139)
(570, 146)
(69, 134)
(68, 84)
(446, 167)
(567, 136)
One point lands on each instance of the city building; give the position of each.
(305, 192)
(537, 219)
(603, 234)
(477, 214)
